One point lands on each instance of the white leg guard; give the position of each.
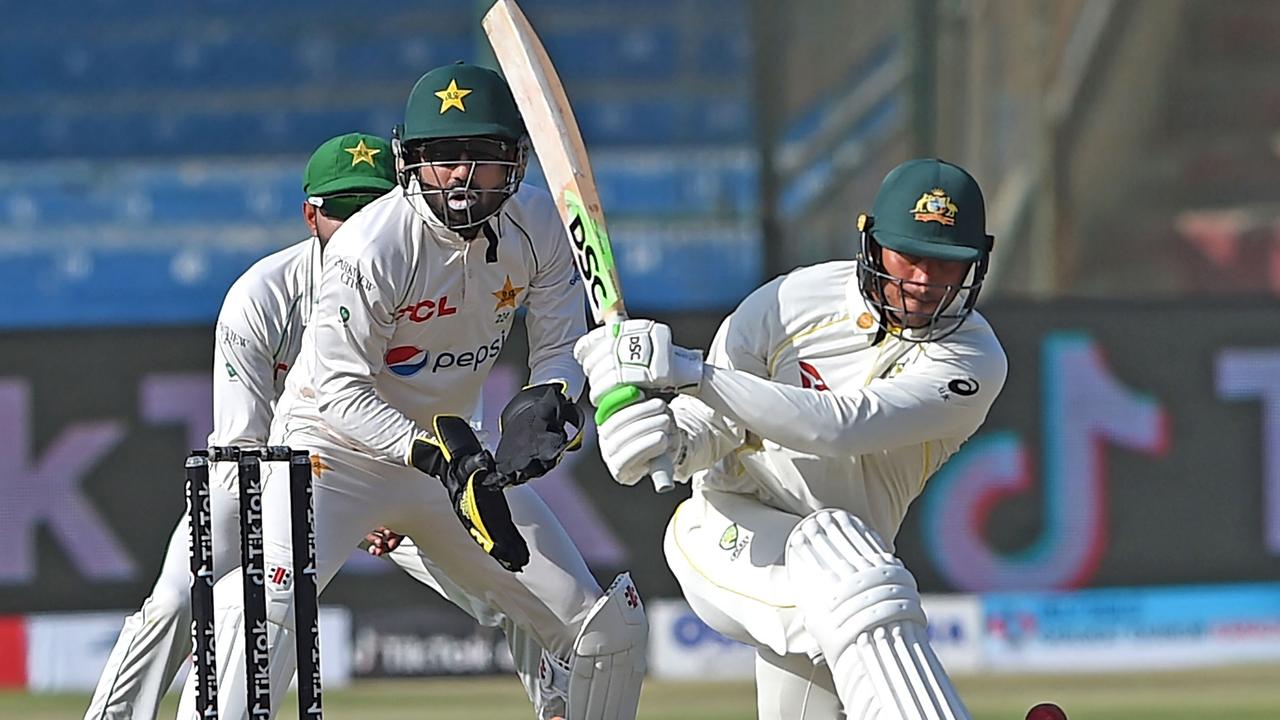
(608, 664)
(862, 607)
(544, 677)
(229, 640)
(550, 694)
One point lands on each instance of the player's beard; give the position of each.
(462, 209)
(912, 305)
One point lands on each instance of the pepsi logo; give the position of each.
(406, 360)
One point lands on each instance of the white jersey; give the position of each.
(847, 422)
(259, 335)
(411, 318)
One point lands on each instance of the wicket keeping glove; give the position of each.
(475, 486)
(639, 353)
(534, 428)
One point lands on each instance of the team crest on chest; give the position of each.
(507, 295)
(318, 465)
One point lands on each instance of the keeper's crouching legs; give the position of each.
(862, 607)
(601, 680)
(228, 594)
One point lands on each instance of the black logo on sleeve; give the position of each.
(963, 387)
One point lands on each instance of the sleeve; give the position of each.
(353, 325)
(710, 434)
(556, 315)
(945, 394)
(244, 390)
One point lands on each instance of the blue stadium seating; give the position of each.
(653, 185)
(177, 135)
(178, 277)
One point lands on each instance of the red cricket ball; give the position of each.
(1046, 711)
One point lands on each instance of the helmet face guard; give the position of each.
(462, 205)
(952, 310)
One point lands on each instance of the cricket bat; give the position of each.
(563, 156)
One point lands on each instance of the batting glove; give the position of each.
(639, 353)
(637, 434)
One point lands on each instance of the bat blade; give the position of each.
(561, 152)
(556, 139)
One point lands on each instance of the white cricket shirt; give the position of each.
(259, 334)
(411, 318)
(802, 408)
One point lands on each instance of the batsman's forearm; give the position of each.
(706, 435)
(834, 425)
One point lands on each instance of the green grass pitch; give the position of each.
(1243, 693)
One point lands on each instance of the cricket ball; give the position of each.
(1046, 711)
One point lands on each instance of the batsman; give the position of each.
(828, 399)
(418, 294)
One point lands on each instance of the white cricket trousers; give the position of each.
(156, 640)
(728, 552)
(549, 599)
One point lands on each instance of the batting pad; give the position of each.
(862, 607)
(608, 663)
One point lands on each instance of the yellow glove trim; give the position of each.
(444, 450)
(575, 443)
(472, 511)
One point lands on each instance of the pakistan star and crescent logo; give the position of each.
(362, 153)
(451, 97)
(507, 295)
(317, 466)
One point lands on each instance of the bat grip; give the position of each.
(662, 473)
(661, 469)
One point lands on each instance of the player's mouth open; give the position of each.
(460, 199)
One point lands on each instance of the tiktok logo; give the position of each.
(1084, 409)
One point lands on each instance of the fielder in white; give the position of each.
(259, 333)
(418, 294)
(827, 400)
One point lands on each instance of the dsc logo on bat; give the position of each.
(588, 245)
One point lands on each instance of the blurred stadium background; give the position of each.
(1111, 534)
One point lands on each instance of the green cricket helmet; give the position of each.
(925, 208)
(460, 115)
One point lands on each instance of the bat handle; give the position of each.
(662, 473)
(661, 469)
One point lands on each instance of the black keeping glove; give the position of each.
(533, 431)
(457, 458)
